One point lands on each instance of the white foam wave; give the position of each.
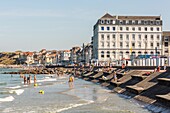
(47, 80)
(18, 92)
(14, 87)
(73, 106)
(7, 99)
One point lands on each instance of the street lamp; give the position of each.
(145, 49)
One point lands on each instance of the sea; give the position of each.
(59, 96)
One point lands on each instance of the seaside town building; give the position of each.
(125, 37)
(166, 43)
(73, 54)
(65, 57)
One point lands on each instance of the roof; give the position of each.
(139, 17)
(107, 15)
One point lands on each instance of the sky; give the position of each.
(32, 25)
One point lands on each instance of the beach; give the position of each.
(83, 97)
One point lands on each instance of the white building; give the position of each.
(120, 37)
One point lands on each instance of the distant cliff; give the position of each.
(8, 58)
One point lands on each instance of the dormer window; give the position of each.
(108, 21)
(102, 22)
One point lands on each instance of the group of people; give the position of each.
(27, 80)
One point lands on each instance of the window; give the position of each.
(166, 50)
(113, 44)
(102, 22)
(127, 44)
(127, 52)
(151, 37)
(139, 28)
(121, 37)
(146, 29)
(108, 28)
(102, 54)
(102, 44)
(157, 45)
(113, 28)
(102, 28)
(114, 54)
(139, 44)
(102, 37)
(127, 37)
(114, 36)
(146, 37)
(166, 39)
(166, 44)
(157, 28)
(108, 21)
(139, 53)
(121, 28)
(151, 52)
(108, 44)
(121, 44)
(151, 28)
(108, 54)
(133, 28)
(139, 37)
(151, 45)
(133, 44)
(133, 36)
(157, 37)
(108, 37)
(127, 28)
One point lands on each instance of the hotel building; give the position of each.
(120, 37)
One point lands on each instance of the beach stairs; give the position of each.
(165, 99)
(145, 84)
(96, 77)
(86, 76)
(105, 80)
(123, 78)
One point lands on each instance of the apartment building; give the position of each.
(166, 43)
(121, 37)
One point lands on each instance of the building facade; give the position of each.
(121, 37)
(166, 43)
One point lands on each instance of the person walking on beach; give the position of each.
(115, 76)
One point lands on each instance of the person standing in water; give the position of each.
(71, 80)
(25, 80)
(35, 79)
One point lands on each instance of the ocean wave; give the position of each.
(7, 99)
(14, 87)
(18, 92)
(73, 106)
(3, 83)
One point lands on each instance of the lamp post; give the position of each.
(145, 49)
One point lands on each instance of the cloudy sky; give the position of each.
(30, 25)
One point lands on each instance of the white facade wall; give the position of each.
(107, 41)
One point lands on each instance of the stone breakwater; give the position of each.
(40, 71)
